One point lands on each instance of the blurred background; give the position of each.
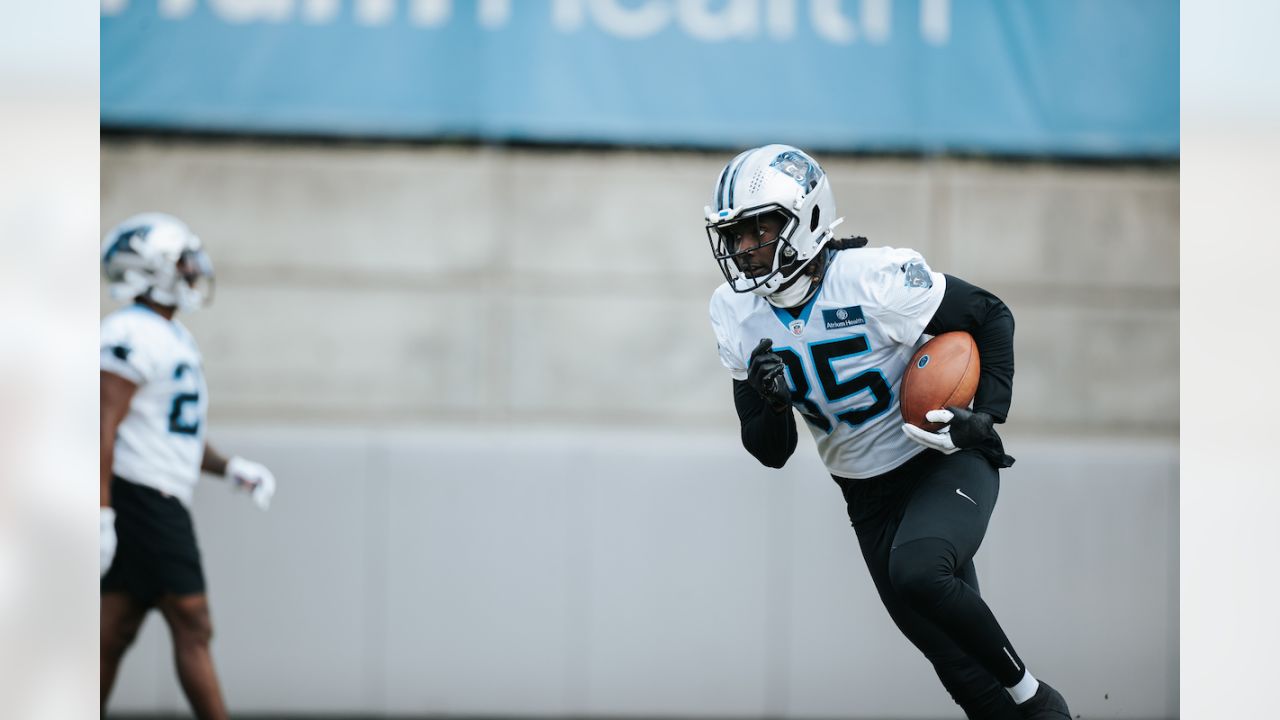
(461, 313)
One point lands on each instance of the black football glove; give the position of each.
(765, 375)
(964, 430)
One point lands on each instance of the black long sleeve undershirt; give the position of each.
(769, 435)
(969, 308)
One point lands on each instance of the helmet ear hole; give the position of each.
(813, 219)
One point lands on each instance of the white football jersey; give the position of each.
(160, 442)
(846, 353)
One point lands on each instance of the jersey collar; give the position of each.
(789, 322)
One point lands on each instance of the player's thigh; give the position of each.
(121, 616)
(952, 500)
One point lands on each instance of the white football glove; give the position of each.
(254, 477)
(106, 539)
(965, 429)
(941, 440)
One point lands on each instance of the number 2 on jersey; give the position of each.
(176, 424)
(823, 355)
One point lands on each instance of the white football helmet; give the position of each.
(157, 255)
(778, 179)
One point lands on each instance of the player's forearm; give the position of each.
(213, 462)
(769, 436)
(984, 316)
(106, 458)
(994, 338)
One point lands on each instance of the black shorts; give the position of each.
(156, 552)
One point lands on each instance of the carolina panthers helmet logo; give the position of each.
(124, 243)
(799, 168)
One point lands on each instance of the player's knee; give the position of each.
(922, 572)
(195, 634)
(192, 626)
(198, 630)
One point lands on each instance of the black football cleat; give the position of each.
(1046, 704)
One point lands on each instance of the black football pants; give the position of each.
(919, 526)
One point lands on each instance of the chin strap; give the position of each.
(804, 287)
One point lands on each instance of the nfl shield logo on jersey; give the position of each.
(797, 327)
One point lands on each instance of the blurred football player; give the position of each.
(827, 327)
(153, 449)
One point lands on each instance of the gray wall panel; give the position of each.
(477, 590)
(678, 574)
(299, 571)
(579, 571)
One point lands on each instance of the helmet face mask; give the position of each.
(156, 256)
(195, 280)
(774, 186)
(755, 244)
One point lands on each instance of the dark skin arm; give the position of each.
(115, 394)
(213, 462)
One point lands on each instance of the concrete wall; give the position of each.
(509, 475)
(488, 284)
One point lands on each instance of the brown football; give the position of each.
(943, 372)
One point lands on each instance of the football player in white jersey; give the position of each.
(827, 327)
(153, 449)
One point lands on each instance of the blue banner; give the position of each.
(1051, 77)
